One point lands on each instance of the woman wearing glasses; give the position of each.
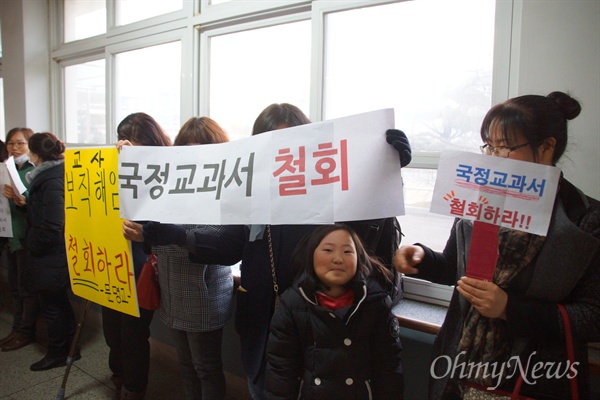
(513, 321)
(25, 304)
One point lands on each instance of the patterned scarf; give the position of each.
(485, 340)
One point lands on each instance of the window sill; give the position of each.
(419, 316)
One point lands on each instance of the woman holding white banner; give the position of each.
(507, 335)
(196, 299)
(264, 250)
(26, 306)
(127, 336)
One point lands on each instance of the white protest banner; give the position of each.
(500, 191)
(335, 170)
(5, 216)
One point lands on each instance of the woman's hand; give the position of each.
(133, 231)
(487, 297)
(122, 143)
(8, 192)
(406, 257)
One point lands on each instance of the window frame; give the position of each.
(198, 22)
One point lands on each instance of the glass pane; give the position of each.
(129, 11)
(84, 19)
(429, 60)
(149, 80)
(419, 225)
(2, 115)
(250, 70)
(215, 2)
(85, 102)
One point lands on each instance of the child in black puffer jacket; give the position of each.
(334, 335)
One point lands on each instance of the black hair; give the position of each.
(277, 116)
(303, 261)
(535, 117)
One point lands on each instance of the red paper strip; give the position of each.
(483, 253)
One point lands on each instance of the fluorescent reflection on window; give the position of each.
(429, 60)
(84, 19)
(129, 11)
(250, 70)
(85, 102)
(149, 80)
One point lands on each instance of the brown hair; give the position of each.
(47, 146)
(143, 129)
(200, 130)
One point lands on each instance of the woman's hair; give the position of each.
(535, 117)
(200, 130)
(303, 258)
(25, 131)
(143, 129)
(277, 116)
(46, 146)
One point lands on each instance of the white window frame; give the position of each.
(199, 21)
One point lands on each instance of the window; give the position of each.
(84, 19)
(85, 103)
(149, 80)
(251, 69)
(429, 60)
(129, 11)
(432, 61)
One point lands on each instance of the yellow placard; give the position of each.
(100, 263)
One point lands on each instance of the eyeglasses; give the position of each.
(16, 144)
(500, 151)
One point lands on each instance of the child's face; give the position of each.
(335, 261)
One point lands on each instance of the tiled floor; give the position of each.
(89, 377)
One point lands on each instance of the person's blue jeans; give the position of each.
(201, 364)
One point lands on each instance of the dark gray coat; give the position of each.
(566, 271)
(47, 267)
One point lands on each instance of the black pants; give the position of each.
(127, 338)
(26, 306)
(60, 319)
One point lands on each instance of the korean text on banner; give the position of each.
(100, 264)
(337, 170)
(500, 191)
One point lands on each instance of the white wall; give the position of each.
(556, 46)
(26, 64)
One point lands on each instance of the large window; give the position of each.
(83, 19)
(149, 80)
(431, 60)
(85, 103)
(251, 69)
